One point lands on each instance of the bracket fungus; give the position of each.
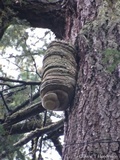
(58, 76)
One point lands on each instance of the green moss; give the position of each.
(111, 59)
(105, 24)
(107, 11)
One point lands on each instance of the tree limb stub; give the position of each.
(42, 14)
(40, 132)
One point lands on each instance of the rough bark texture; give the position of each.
(93, 127)
(39, 13)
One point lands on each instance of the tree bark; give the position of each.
(93, 127)
(39, 13)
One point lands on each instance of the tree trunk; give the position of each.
(93, 127)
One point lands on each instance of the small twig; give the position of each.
(19, 56)
(5, 103)
(34, 63)
(11, 87)
(5, 84)
(41, 140)
(9, 94)
(34, 147)
(31, 94)
(45, 118)
(20, 81)
(40, 155)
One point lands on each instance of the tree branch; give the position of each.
(5, 102)
(9, 94)
(40, 132)
(5, 17)
(23, 114)
(41, 13)
(25, 127)
(19, 81)
(35, 96)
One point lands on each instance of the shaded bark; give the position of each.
(93, 124)
(5, 18)
(92, 130)
(40, 13)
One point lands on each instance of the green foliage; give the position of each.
(21, 49)
(2, 131)
(6, 148)
(111, 59)
(20, 156)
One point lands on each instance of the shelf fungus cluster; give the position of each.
(59, 76)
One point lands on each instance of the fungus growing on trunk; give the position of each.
(59, 76)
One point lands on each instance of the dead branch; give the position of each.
(40, 132)
(23, 114)
(24, 127)
(5, 79)
(40, 13)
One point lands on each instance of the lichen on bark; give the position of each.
(96, 112)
